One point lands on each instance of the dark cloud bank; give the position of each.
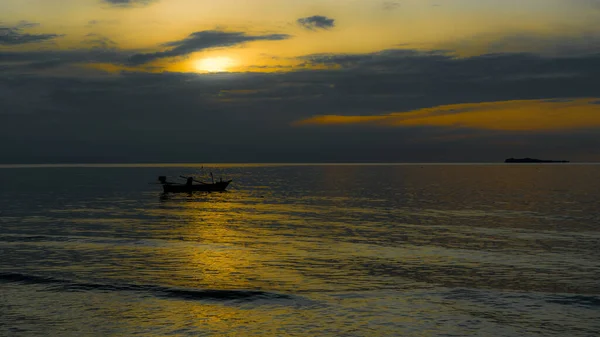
(176, 117)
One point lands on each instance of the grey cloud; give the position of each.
(559, 100)
(81, 55)
(15, 35)
(129, 3)
(585, 42)
(16, 62)
(391, 5)
(393, 57)
(593, 4)
(95, 116)
(99, 41)
(316, 22)
(101, 22)
(26, 24)
(203, 40)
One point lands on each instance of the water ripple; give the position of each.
(158, 291)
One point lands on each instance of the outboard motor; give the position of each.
(162, 179)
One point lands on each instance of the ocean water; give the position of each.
(302, 250)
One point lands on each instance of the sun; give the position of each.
(214, 64)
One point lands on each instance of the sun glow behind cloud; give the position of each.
(214, 64)
(363, 27)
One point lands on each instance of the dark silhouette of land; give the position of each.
(533, 160)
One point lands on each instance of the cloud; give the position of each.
(62, 62)
(593, 4)
(316, 22)
(94, 49)
(101, 22)
(203, 40)
(383, 59)
(530, 115)
(98, 41)
(390, 5)
(71, 117)
(15, 35)
(129, 3)
(565, 44)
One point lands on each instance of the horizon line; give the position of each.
(108, 165)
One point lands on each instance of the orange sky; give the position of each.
(84, 77)
(468, 27)
(530, 115)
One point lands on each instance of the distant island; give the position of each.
(533, 160)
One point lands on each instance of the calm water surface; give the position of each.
(333, 250)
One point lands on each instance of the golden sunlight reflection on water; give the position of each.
(326, 250)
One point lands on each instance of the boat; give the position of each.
(189, 186)
(533, 160)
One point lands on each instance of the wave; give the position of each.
(577, 300)
(57, 284)
(507, 298)
(96, 240)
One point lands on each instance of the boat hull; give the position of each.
(181, 188)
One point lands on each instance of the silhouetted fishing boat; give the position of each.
(189, 186)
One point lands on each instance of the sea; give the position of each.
(301, 250)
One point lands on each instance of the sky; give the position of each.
(138, 81)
